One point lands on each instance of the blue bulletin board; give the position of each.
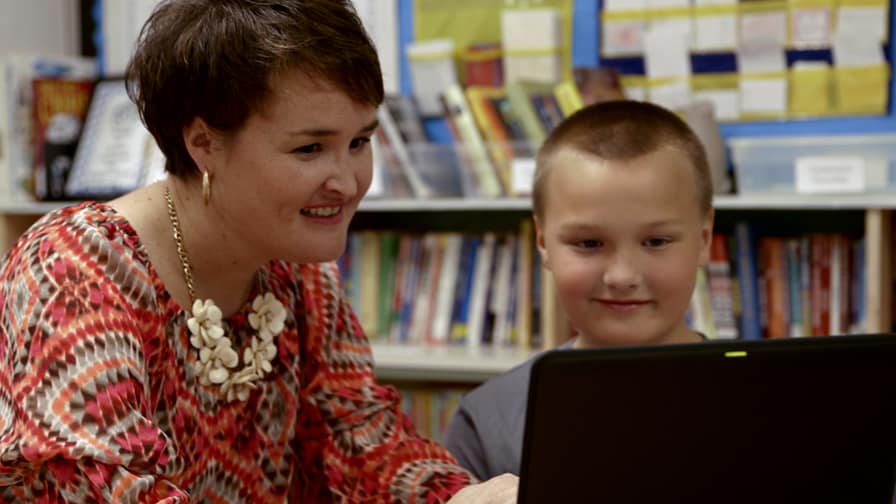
(586, 52)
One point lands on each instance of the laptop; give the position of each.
(771, 421)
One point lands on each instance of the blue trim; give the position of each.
(585, 28)
(97, 13)
(405, 37)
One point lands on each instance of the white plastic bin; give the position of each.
(767, 165)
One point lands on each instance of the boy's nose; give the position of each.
(620, 275)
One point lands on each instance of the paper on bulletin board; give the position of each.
(726, 102)
(380, 18)
(475, 21)
(673, 95)
(760, 56)
(715, 25)
(869, 21)
(763, 96)
(624, 36)
(854, 50)
(666, 54)
(811, 26)
(764, 25)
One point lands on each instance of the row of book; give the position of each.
(446, 288)
(496, 130)
(430, 409)
(780, 286)
(488, 290)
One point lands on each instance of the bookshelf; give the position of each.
(870, 214)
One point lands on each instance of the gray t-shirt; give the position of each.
(485, 434)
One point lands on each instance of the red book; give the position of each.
(59, 107)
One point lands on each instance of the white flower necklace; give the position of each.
(217, 358)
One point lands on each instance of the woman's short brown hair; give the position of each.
(623, 130)
(216, 59)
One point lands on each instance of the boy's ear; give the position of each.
(706, 237)
(199, 140)
(539, 244)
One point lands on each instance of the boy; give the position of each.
(622, 203)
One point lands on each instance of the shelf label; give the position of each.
(830, 174)
(522, 174)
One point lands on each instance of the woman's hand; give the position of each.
(498, 490)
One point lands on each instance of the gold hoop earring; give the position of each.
(206, 187)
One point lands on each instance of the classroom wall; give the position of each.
(40, 26)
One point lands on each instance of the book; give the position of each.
(483, 65)
(487, 180)
(59, 107)
(17, 70)
(747, 280)
(499, 140)
(520, 94)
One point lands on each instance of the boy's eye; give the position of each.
(359, 143)
(656, 242)
(589, 244)
(308, 150)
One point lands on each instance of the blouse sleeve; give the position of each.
(74, 423)
(371, 453)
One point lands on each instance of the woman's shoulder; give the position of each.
(86, 233)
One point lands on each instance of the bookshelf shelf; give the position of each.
(444, 364)
(757, 202)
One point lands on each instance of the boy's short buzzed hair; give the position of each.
(622, 130)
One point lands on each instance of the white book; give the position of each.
(501, 298)
(441, 326)
(478, 301)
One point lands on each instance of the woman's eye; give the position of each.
(308, 149)
(359, 143)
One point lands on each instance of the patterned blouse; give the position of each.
(99, 400)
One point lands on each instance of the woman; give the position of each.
(189, 341)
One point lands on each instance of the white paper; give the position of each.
(666, 54)
(810, 26)
(522, 175)
(760, 56)
(715, 32)
(666, 4)
(624, 5)
(854, 50)
(678, 24)
(829, 174)
(764, 26)
(637, 93)
(763, 96)
(725, 101)
(380, 19)
(869, 21)
(623, 37)
(673, 96)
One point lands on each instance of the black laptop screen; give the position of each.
(796, 421)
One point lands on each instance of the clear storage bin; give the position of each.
(767, 165)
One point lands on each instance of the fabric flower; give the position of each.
(259, 354)
(205, 324)
(240, 384)
(268, 316)
(215, 361)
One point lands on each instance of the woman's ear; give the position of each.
(539, 243)
(199, 139)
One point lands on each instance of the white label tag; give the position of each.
(830, 174)
(522, 174)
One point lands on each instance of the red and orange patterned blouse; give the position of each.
(99, 401)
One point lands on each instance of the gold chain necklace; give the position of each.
(216, 354)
